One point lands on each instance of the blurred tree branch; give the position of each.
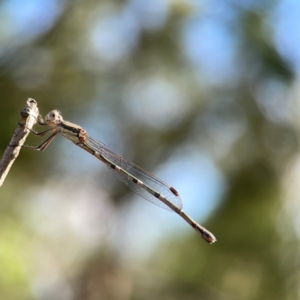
(28, 118)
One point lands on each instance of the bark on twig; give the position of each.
(29, 117)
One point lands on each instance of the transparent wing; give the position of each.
(151, 181)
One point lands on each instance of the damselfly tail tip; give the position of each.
(209, 237)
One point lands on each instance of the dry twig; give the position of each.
(29, 117)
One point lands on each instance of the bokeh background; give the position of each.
(204, 94)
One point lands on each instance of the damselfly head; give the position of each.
(54, 117)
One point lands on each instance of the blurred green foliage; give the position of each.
(209, 75)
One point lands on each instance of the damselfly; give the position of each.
(140, 181)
